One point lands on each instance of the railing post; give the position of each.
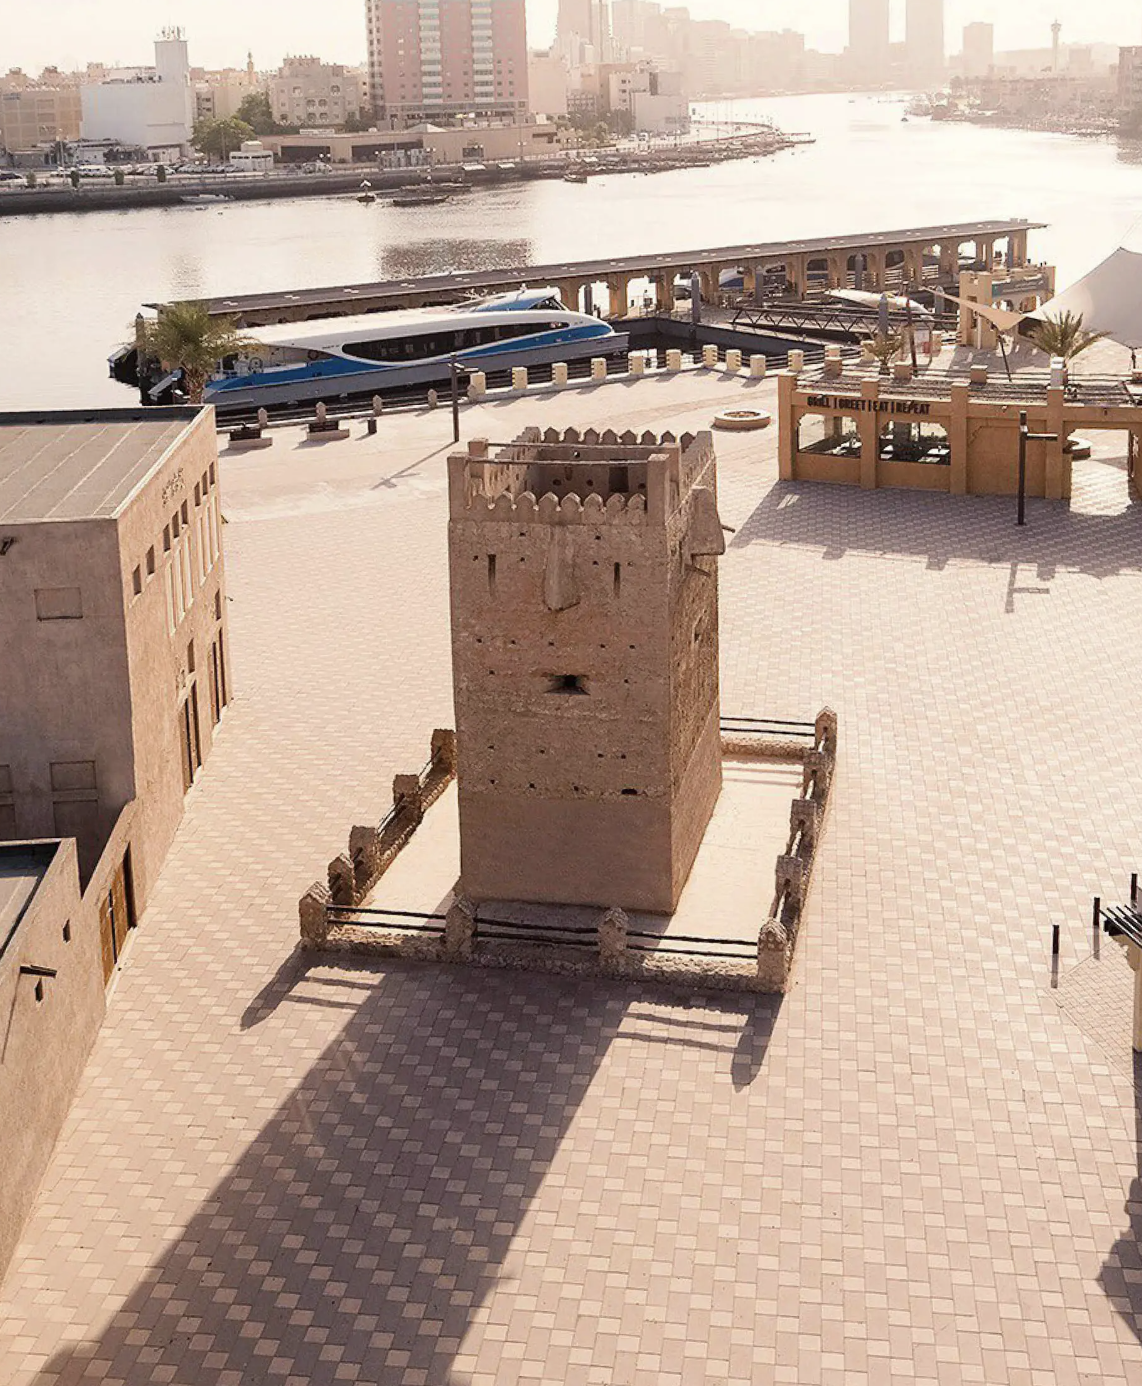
(613, 938)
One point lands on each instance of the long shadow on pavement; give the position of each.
(1121, 1274)
(360, 1232)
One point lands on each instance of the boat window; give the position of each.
(442, 344)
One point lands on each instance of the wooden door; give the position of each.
(116, 917)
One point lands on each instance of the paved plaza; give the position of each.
(920, 1166)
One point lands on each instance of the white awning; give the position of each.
(1002, 319)
(1109, 299)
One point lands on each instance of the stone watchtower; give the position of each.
(585, 660)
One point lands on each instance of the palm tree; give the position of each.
(1065, 336)
(187, 337)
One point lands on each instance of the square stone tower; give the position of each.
(585, 659)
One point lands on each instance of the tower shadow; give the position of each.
(363, 1228)
(1121, 1274)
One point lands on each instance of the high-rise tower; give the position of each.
(870, 52)
(439, 59)
(585, 659)
(924, 39)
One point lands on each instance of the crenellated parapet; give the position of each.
(566, 476)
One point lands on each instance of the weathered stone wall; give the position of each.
(582, 696)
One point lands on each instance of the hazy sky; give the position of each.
(70, 32)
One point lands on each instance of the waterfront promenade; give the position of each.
(921, 1168)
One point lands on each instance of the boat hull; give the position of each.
(374, 380)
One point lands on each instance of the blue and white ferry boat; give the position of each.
(336, 358)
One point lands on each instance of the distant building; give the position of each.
(870, 49)
(548, 82)
(583, 30)
(307, 91)
(439, 60)
(152, 108)
(924, 40)
(219, 94)
(979, 50)
(1130, 81)
(31, 116)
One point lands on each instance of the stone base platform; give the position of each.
(711, 941)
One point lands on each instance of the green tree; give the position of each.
(1065, 336)
(218, 139)
(256, 112)
(187, 337)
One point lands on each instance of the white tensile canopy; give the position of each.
(1109, 299)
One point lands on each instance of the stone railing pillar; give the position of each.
(342, 880)
(774, 950)
(407, 796)
(826, 731)
(559, 373)
(444, 750)
(364, 853)
(613, 938)
(460, 929)
(805, 818)
(758, 367)
(313, 913)
(477, 385)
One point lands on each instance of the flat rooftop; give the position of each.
(74, 465)
(22, 868)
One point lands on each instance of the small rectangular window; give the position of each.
(190, 658)
(58, 604)
(185, 513)
(176, 525)
(137, 581)
(166, 538)
(568, 683)
(218, 606)
(73, 776)
(151, 561)
(492, 573)
(197, 495)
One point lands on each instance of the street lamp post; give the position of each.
(1025, 437)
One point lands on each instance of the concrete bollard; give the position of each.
(559, 373)
(936, 343)
(636, 363)
(673, 360)
(710, 357)
(433, 399)
(796, 362)
(477, 386)
(598, 368)
(613, 939)
(758, 366)
(1058, 372)
(733, 360)
(902, 370)
(978, 375)
(263, 418)
(378, 406)
(321, 412)
(519, 378)
(833, 351)
(834, 367)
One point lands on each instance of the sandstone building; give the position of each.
(115, 664)
(585, 657)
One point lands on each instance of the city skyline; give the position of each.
(70, 33)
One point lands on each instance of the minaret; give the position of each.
(251, 74)
(1056, 30)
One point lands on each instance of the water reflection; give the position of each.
(449, 256)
